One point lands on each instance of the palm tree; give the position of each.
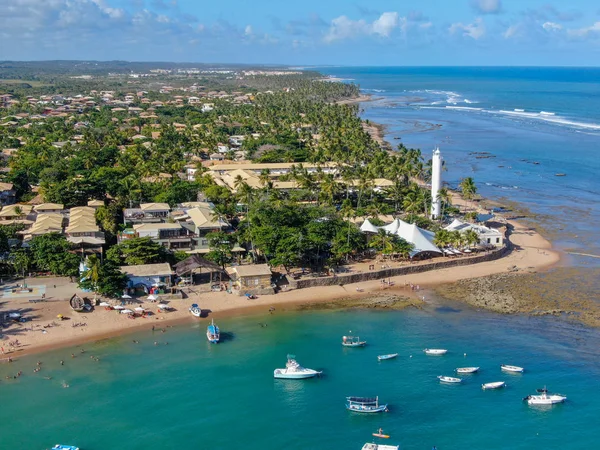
(442, 238)
(445, 200)
(471, 237)
(468, 188)
(382, 242)
(92, 272)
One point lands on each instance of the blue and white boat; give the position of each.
(365, 405)
(384, 357)
(64, 447)
(212, 333)
(195, 310)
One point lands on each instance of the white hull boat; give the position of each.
(435, 351)
(365, 405)
(452, 380)
(544, 398)
(372, 446)
(195, 310)
(467, 369)
(513, 369)
(353, 341)
(384, 357)
(493, 385)
(294, 371)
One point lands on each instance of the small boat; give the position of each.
(514, 369)
(77, 303)
(380, 434)
(467, 369)
(560, 174)
(195, 310)
(353, 341)
(445, 379)
(64, 447)
(384, 357)
(212, 333)
(365, 405)
(373, 446)
(435, 351)
(294, 371)
(544, 398)
(493, 385)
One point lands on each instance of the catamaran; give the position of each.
(365, 405)
(294, 371)
(195, 310)
(544, 398)
(212, 333)
(353, 341)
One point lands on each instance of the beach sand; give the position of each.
(531, 253)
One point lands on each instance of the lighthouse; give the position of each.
(436, 183)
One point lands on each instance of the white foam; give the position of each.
(544, 113)
(464, 108)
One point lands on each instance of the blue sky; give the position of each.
(319, 32)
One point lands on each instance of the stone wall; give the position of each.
(439, 263)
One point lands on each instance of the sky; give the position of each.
(305, 32)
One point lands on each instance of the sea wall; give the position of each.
(438, 263)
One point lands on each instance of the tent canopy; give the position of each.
(195, 262)
(420, 238)
(368, 227)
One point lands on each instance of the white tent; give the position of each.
(392, 227)
(421, 239)
(368, 227)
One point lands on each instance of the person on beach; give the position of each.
(62, 363)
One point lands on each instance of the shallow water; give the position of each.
(189, 394)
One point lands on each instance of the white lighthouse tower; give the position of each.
(436, 183)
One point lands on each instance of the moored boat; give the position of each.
(544, 398)
(435, 351)
(384, 357)
(212, 333)
(64, 447)
(353, 341)
(77, 303)
(467, 369)
(373, 446)
(365, 405)
(195, 310)
(445, 379)
(513, 369)
(294, 371)
(493, 385)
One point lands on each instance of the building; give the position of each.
(421, 239)
(82, 228)
(436, 183)
(250, 278)
(487, 235)
(146, 276)
(170, 235)
(55, 208)
(147, 213)
(7, 194)
(201, 220)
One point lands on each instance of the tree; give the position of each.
(104, 278)
(22, 261)
(136, 251)
(220, 244)
(468, 188)
(91, 274)
(51, 252)
(471, 237)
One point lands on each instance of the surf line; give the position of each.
(583, 254)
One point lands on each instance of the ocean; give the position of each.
(189, 394)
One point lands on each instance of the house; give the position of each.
(201, 220)
(173, 236)
(46, 223)
(14, 212)
(95, 204)
(82, 228)
(222, 148)
(487, 235)
(48, 208)
(7, 194)
(206, 107)
(251, 278)
(147, 213)
(145, 276)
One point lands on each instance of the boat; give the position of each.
(514, 369)
(384, 357)
(64, 447)
(435, 351)
(493, 385)
(77, 303)
(195, 310)
(380, 434)
(212, 333)
(467, 369)
(544, 398)
(365, 405)
(294, 371)
(353, 341)
(373, 446)
(445, 379)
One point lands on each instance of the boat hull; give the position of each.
(549, 400)
(385, 357)
(366, 410)
(282, 375)
(467, 370)
(450, 380)
(494, 385)
(512, 369)
(435, 351)
(354, 344)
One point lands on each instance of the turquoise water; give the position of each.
(190, 395)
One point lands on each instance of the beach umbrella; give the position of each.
(104, 304)
(152, 297)
(119, 307)
(59, 316)
(126, 296)
(127, 311)
(140, 309)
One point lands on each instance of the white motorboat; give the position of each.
(64, 447)
(513, 369)
(294, 371)
(467, 369)
(445, 379)
(435, 351)
(544, 398)
(384, 357)
(353, 341)
(493, 385)
(373, 446)
(195, 310)
(365, 405)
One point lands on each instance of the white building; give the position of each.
(436, 183)
(487, 236)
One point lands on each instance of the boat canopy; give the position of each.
(363, 400)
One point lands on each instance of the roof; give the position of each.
(9, 211)
(46, 206)
(147, 270)
(251, 270)
(95, 203)
(203, 218)
(154, 206)
(156, 226)
(47, 223)
(271, 166)
(6, 186)
(420, 238)
(195, 262)
(368, 227)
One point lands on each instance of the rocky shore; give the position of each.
(384, 302)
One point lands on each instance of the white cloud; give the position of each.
(248, 30)
(585, 32)
(487, 6)
(475, 30)
(512, 31)
(342, 27)
(551, 26)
